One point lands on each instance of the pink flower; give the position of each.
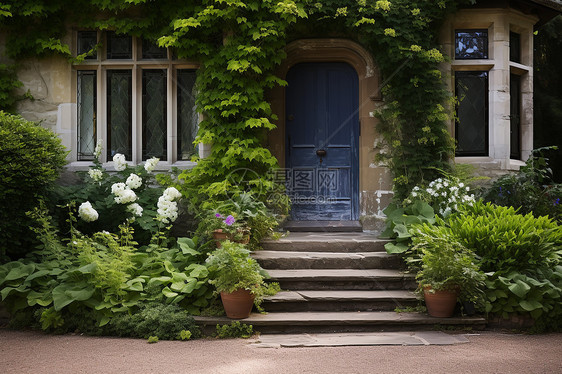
(229, 220)
(218, 215)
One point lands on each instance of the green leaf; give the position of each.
(169, 293)
(530, 305)
(520, 288)
(395, 248)
(187, 246)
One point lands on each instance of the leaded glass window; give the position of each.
(515, 117)
(119, 113)
(187, 116)
(119, 46)
(471, 44)
(86, 114)
(151, 51)
(87, 40)
(472, 113)
(154, 114)
(514, 47)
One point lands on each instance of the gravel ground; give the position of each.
(490, 352)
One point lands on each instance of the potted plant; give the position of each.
(448, 270)
(222, 227)
(238, 278)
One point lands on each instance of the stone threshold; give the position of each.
(418, 338)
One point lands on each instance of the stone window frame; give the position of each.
(499, 22)
(136, 65)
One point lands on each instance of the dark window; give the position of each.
(119, 46)
(187, 114)
(515, 117)
(471, 44)
(514, 47)
(119, 113)
(154, 124)
(151, 51)
(87, 40)
(86, 100)
(471, 130)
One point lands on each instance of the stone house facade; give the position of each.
(138, 99)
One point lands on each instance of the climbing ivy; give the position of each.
(239, 43)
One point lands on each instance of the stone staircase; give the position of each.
(337, 282)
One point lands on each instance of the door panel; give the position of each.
(322, 141)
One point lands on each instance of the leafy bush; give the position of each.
(235, 330)
(130, 194)
(167, 322)
(32, 158)
(231, 268)
(531, 189)
(506, 241)
(521, 256)
(445, 263)
(100, 277)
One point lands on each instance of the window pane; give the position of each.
(87, 40)
(154, 114)
(119, 46)
(514, 47)
(119, 113)
(152, 51)
(471, 44)
(86, 98)
(472, 112)
(187, 114)
(515, 116)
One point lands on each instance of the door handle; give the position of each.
(321, 153)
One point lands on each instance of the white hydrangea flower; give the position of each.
(171, 193)
(167, 210)
(117, 188)
(133, 181)
(135, 209)
(461, 185)
(150, 164)
(98, 149)
(95, 174)
(119, 162)
(414, 194)
(87, 212)
(125, 196)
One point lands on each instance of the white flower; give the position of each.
(429, 191)
(171, 193)
(98, 149)
(438, 186)
(95, 174)
(167, 210)
(117, 188)
(119, 162)
(446, 184)
(134, 181)
(135, 209)
(416, 188)
(461, 185)
(87, 212)
(150, 164)
(126, 196)
(414, 194)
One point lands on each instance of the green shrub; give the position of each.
(235, 330)
(32, 158)
(167, 322)
(506, 241)
(531, 189)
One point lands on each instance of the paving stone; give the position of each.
(339, 295)
(358, 339)
(326, 260)
(327, 242)
(336, 274)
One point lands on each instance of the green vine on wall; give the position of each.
(239, 44)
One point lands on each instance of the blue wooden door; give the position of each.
(322, 137)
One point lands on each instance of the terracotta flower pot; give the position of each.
(237, 304)
(219, 236)
(440, 303)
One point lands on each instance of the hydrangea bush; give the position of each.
(108, 199)
(444, 195)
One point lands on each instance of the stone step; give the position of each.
(342, 279)
(323, 226)
(326, 260)
(303, 301)
(327, 242)
(332, 322)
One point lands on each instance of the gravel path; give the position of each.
(33, 352)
